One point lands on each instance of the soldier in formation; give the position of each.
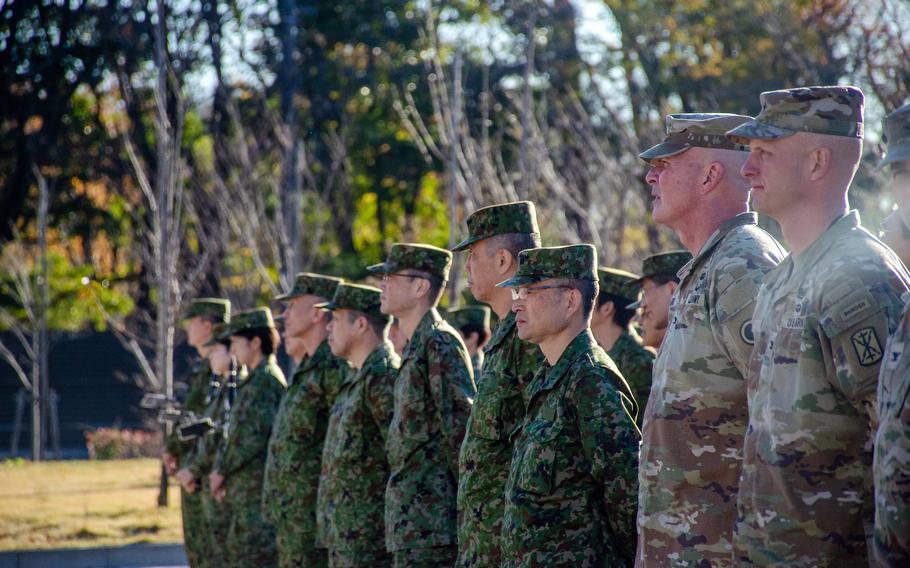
(775, 422)
(695, 420)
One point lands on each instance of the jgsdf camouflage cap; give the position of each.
(469, 315)
(218, 309)
(619, 283)
(574, 262)
(896, 133)
(704, 130)
(517, 217)
(427, 258)
(664, 263)
(307, 283)
(837, 111)
(257, 318)
(355, 297)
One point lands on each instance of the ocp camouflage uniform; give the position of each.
(433, 394)
(508, 366)
(696, 417)
(891, 465)
(571, 492)
(820, 323)
(251, 539)
(486, 454)
(636, 363)
(295, 448)
(354, 465)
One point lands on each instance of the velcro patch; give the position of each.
(746, 333)
(867, 347)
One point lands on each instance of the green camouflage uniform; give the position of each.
(241, 459)
(295, 448)
(486, 453)
(433, 394)
(820, 323)
(571, 494)
(195, 529)
(695, 420)
(891, 465)
(354, 465)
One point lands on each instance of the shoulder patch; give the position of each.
(746, 333)
(867, 346)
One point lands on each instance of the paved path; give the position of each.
(134, 556)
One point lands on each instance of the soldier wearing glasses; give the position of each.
(433, 393)
(572, 488)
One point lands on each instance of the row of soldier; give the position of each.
(776, 430)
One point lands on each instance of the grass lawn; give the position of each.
(82, 504)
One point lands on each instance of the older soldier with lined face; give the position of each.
(695, 419)
(496, 235)
(820, 322)
(891, 465)
(571, 495)
(433, 393)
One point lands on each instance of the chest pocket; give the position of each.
(690, 308)
(487, 414)
(538, 458)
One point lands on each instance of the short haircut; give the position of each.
(622, 315)
(588, 289)
(269, 338)
(378, 325)
(437, 285)
(513, 242)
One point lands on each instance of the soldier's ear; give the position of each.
(711, 176)
(504, 260)
(819, 162)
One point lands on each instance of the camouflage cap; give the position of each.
(219, 309)
(575, 262)
(355, 297)
(704, 130)
(664, 263)
(469, 315)
(896, 133)
(427, 258)
(837, 111)
(307, 283)
(257, 318)
(517, 217)
(619, 283)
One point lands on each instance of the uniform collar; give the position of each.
(549, 376)
(793, 267)
(503, 329)
(740, 220)
(383, 351)
(322, 354)
(428, 323)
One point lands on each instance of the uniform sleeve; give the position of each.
(856, 325)
(610, 443)
(250, 439)
(735, 302)
(381, 399)
(451, 382)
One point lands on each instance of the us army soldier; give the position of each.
(820, 323)
(694, 423)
